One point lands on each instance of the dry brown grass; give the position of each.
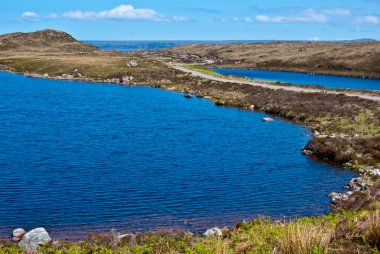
(305, 239)
(371, 228)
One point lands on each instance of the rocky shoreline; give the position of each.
(37, 237)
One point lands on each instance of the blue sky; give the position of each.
(196, 19)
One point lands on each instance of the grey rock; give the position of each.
(132, 63)
(34, 238)
(67, 76)
(307, 152)
(126, 236)
(18, 232)
(213, 232)
(373, 172)
(336, 197)
(357, 184)
(16, 239)
(127, 78)
(34, 75)
(113, 80)
(268, 119)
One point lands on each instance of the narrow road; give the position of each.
(275, 87)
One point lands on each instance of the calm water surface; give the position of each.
(80, 156)
(305, 79)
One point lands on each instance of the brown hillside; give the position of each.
(45, 40)
(353, 59)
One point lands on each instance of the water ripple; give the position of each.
(79, 156)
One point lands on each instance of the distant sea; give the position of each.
(153, 45)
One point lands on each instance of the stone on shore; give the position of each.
(19, 232)
(127, 78)
(213, 232)
(34, 238)
(268, 119)
(67, 76)
(357, 184)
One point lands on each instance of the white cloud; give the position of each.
(248, 20)
(129, 12)
(310, 15)
(367, 20)
(263, 18)
(230, 20)
(179, 18)
(53, 16)
(30, 15)
(121, 12)
(337, 11)
(306, 16)
(314, 38)
(79, 15)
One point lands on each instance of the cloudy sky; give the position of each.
(196, 19)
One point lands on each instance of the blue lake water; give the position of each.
(305, 79)
(80, 156)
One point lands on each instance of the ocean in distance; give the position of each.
(126, 46)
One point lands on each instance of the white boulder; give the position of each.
(213, 232)
(268, 119)
(34, 238)
(132, 63)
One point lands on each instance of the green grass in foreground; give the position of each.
(345, 232)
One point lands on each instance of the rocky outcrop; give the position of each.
(357, 184)
(34, 238)
(339, 197)
(361, 192)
